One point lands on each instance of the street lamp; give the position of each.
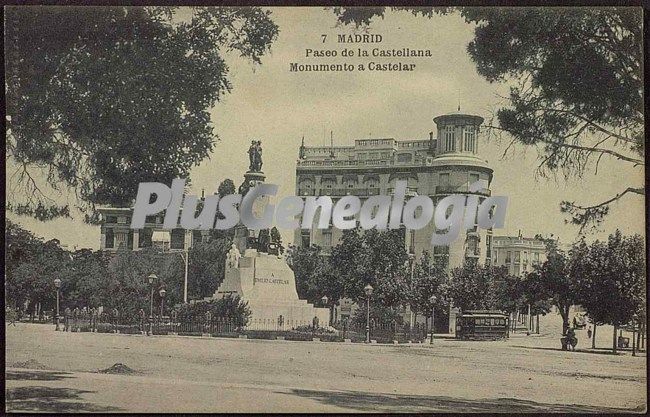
(152, 278)
(411, 264)
(324, 300)
(368, 290)
(57, 284)
(162, 293)
(433, 300)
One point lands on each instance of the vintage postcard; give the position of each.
(325, 209)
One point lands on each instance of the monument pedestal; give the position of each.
(269, 286)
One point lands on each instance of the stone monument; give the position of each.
(263, 280)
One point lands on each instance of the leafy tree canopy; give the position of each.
(102, 98)
(577, 85)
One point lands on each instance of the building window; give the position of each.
(470, 138)
(111, 219)
(517, 257)
(144, 238)
(525, 257)
(129, 240)
(404, 157)
(450, 138)
(508, 257)
(151, 219)
(304, 238)
(473, 178)
(496, 257)
(177, 239)
(412, 246)
(327, 238)
(443, 178)
(110, 239)
(197, 237)
(536, 257)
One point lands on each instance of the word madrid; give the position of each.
(379, 211)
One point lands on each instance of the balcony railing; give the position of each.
(462, 189)
(339, 192)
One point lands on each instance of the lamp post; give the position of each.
(162, 292)
(411, 263)
(57, 284)
(324, 300)
(152, 278)
(368, 290)
(186, 259)
(433, 300)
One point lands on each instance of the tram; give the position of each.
(482, 325)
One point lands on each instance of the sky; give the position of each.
(278, 107)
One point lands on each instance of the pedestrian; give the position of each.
(11, 315)
(589, 332)
(280, 322)
(142, 315)
(75, 315)
(315, 322)
(66, 319)
(93, 319)
(116, 317)
(572, 340)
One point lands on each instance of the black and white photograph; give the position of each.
(325, 209)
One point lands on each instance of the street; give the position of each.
(193, 374)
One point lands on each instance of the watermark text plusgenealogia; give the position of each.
(382, 212)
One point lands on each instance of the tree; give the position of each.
(206, 267)
(104, 98)
(314, 276)
(578, 85)
(612, 280)
(427, 280)
(31, 268)
(226, 187)
(556, 280)
(375, 258)
(474, 287)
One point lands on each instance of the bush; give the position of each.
(230, 308)
(379, 315)
(317, 331)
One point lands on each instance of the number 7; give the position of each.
(324, 37)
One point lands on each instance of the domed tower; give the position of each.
(458, 165)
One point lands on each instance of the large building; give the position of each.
(116, 232)
(435, 166)
(519, 254)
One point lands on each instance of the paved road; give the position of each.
(182, 374)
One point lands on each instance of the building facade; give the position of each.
(116, 232)
(436, 167)
(519, 254)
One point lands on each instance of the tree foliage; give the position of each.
(577, 85)
(481, 287)
(113, 280)
(375, 258)
(206, 267)
(612, 279)
(102, 98)
(426, 280)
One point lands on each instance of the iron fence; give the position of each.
(253, 328)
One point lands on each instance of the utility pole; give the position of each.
(186, 256)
